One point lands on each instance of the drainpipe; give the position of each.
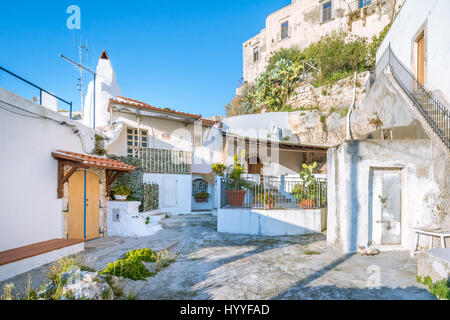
(349, 130)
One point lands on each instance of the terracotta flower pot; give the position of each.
(119, 197)
(270, 205)
(236, 197)
(201, 200)
(307, 204)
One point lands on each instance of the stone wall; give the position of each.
(338, 96)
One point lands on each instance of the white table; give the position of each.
(442, 234)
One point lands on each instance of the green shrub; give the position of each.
(440, 288)
(132, 269)
(150, 201)
(201, 195)
(243, 103)
(131, 265)
(146, 255)
(274, 87)
(292, 54)
(219, 169)
(121, 190)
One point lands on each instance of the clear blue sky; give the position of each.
(185, 55)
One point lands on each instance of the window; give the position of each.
(284, 30)
(326, 11)
(364, 3)
(255, 54)
(136, 139)
(199, 185)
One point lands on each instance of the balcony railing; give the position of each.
(282, 192)
(42, 92)
(165, 161)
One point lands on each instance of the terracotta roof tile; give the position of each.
(93, 161)
(143, 105)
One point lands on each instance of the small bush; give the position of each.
(440, 288)
(131, 268)
(131, 265)
(146, 255)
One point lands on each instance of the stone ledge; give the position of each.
(435, 264)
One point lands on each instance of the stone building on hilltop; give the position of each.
(304, 22)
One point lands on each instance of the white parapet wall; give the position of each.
(13, 269)
(271, 222)
(125, 220)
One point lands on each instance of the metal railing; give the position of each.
(265, 192)
(433, 111)
(41, 91)
(309, 68)
(165, 161)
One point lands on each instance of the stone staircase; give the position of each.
(438, 117)
(189, 220)
(433, 112)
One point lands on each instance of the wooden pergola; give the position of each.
(78, 161)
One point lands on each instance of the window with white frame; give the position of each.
(326, 8)
(284, 30)
(136, 139)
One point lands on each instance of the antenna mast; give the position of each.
(79, 65)
(80, 86)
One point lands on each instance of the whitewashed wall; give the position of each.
(422, 166)
(30, 211)
(175, 192)
(180, 134)
(432, 17)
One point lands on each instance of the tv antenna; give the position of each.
(80, 84)
(94, 74)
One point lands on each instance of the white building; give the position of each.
(48, 179)
(177, 149)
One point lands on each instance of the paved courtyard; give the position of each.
(215, 265)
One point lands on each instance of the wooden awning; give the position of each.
(82, 161)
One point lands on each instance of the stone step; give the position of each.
(189, 220)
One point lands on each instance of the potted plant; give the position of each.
(235, 185)
(121, 192)
(219, 169)
(306, 193)
(201, 197)
(267, 198)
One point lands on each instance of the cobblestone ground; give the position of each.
(215, 265)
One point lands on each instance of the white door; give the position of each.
(170, 186)
(386, 206)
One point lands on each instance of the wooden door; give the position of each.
(421, 60)
(76, 206)
(92, 205)
(84, 205)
